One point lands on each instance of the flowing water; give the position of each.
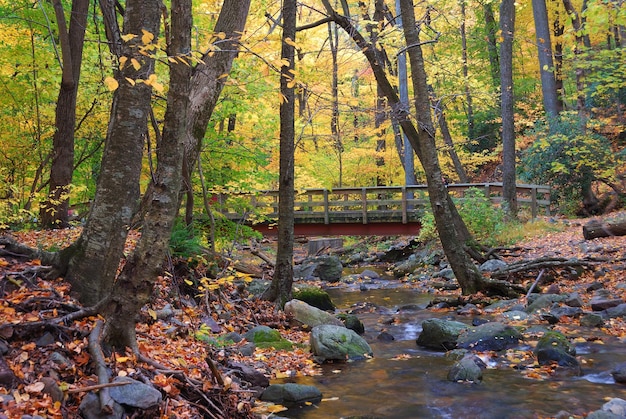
(403, 380)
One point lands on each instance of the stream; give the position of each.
(415, 386)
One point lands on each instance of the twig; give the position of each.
(96, 387)
(215, 371)
(532, 287)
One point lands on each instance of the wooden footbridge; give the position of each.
(374, 210)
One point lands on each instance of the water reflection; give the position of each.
(405, 381)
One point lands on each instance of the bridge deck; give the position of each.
(378, 210)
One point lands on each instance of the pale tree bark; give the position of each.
(207, 83)
(54, 211)
(280, 288)
(96, 255)
(507, 26)
(405, 150)
(440, 116)
(452, 230)
(135, 283)
(546, 63)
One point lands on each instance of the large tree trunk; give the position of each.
(446, 217)
(491, 28)
(134, 285)
(546, 65)
(207, 82)
(280, 289)
(54, 211)
(507, 26)
(99, 249)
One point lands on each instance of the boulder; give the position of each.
(492, 265)
(591, 320)
(330, 342)
(266, 337)
(315, 297)
(90, 408)
(491, 336)
(615, 312)
(291, 394)
(603, 299)
(542, 301)
(554, 347)
(619, 373)
(352, 322)
(309, 316)
(135, 393)
(327, 268)
(440, 334)
(469, 368)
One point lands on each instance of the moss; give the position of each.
(315, 297)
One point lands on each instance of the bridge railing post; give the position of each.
(364, 204)
(405, 206)
(326, 209)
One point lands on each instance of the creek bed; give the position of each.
(407, 381)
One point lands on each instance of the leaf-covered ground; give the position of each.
(53, 368)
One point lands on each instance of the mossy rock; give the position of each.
(266, 337)
(352, 322)
(315, 297)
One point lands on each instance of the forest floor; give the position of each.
(51, 369)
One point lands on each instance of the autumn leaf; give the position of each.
(111, 83)
(146, 37)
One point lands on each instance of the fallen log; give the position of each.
(595, 229)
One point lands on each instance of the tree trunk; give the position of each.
(581, 41)
(207, 80)
(405, 150)
(280, 289)
(595, 229)
(447, 137)
(546, 65)
(54, 211)
(491, 28)
(134, 285)
(468, 94)
(507, 26)
(99, 249)
(466, 273)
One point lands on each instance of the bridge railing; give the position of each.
(374, 204)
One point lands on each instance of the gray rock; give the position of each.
(616, 406)
(615, 312)
(60, 360)
(470, 368)
(90, 409)
(491, 336)
(566, 312)
(542, 301)
(308, 315)
(368, 274)
(446, 273)
(352, 322)
(330, 342)
(406, 267)
(619, 373)
(591, 320)
(135, 393)
(515, 315)
(574, 300)
(440, 334)
(326, 268)
(493, 265)
(291, 394)
(603, 299)
(600, 414)
(555, 347)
